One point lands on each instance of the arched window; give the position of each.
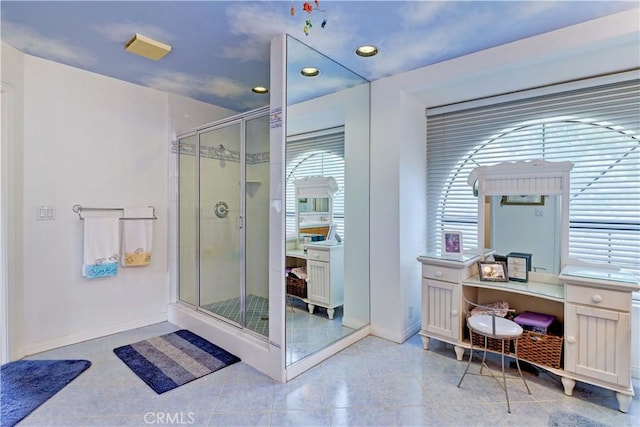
(315, 155)
(601, 138)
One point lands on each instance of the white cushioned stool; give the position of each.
(496, 327)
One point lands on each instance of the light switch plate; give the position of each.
(46, 213)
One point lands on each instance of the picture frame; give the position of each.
(492, 271)
(331, 234)
(452, 242)
(523, 200)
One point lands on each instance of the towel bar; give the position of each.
(79, 208)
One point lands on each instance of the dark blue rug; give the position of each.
(174, 359)
(27, 384)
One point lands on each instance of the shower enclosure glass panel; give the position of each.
(220, 229)
(257, 224)
(223, 215)
(187, 200)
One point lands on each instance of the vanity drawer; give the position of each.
(442, 273)
(603, 298)
(317, 255)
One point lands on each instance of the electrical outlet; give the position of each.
(410, 312)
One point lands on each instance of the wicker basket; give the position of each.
(541, 349)
(296, 287)
(492, 344)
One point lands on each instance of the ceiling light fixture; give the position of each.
(310, 71)
(259, 89)
(366, 51)
(147, 47)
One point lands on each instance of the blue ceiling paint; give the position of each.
(221, 48)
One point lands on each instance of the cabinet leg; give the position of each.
(459, 351)
(624, 400)
(311, 308)
(425, 342)
(568, 384)
(330, 312)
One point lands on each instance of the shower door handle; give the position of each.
(239, 221)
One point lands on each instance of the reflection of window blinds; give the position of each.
(316, 186)
(318, 153)
(594, 124)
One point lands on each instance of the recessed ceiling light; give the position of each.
(309, 71)
(260, 89)
(367, 51)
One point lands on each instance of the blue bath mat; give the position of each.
(174, 359)
(27, 384)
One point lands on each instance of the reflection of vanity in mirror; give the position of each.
(315, 250)
(327, 118)
(592, 304)
(314, 208)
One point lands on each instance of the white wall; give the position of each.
(398, 133)
(99, 142)
(11, 204)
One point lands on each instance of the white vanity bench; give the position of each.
(593, 303)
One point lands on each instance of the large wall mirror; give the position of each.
(524, 207)
(327, 202)
(526, 224)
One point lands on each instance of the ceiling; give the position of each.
(221, 48)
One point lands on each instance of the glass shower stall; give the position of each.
(223, 220)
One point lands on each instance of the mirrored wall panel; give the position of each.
(327, 202)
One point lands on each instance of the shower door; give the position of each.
(223, 221)
(221, 251)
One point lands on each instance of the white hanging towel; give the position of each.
(100, 247)
(137, 237)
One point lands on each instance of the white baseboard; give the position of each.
(93, 334)
(411, 330)
(397, 337)
(353, 323)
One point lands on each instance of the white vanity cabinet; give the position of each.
(441, 299)
(597, 328)
(594, 304)
(325, 276)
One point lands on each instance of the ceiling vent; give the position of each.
(149, 48)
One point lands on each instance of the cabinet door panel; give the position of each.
(441, 308)
(318, 282)
(597, 343)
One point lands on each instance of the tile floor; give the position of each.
(307, 333)
(372, 383)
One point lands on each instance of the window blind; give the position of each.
(318, 153)
(596, 127)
